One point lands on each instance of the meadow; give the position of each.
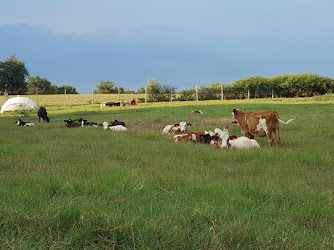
(90, 188)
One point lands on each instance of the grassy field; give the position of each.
(90, 188)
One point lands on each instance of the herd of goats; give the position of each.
(257, 123)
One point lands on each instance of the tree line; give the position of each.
(287, 85)
(14, 77)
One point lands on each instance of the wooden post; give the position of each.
(272, 93)
(248, 94)
(6, 94)
(65, 98)
(222, 91)
(171, 94)
(145, 94)
(196, 94)
(92, 96)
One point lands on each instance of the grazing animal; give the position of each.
(238, 143)
(180, 128)
(106, 126)
(72, 123)
(259, 123)
(19, 122)
(43, 115)
(115, 123)
(195, 112)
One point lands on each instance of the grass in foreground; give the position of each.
(89, 188)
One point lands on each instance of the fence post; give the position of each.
(92, 96)
(222, 91)
(196, 94)
(6, 94)
(145, 94)
(171, 94)
(272, 93)
(65, 98)
(248, 94)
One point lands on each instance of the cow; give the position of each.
(106, 126)
(43, 115)
(119, 103)
(85, 122)
(180, 128)
(19, 122)
(115, 123)
(72, 123)
(259, 123)
(203, 137)
(239, 143)
(195, 112)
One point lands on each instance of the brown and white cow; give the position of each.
(259, 123)
(177, 128)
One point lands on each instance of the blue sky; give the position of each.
(179, 43)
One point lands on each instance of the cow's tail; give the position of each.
(287, 122)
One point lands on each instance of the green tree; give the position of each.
(69, 90)
(153, 90)
(141, 91)
(40, 85)
(13, 74)
(106, 87)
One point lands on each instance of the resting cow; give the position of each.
(180, 128)
(86, 123)
(115, 123)
(259, 123)
(239, 143)
(72, 123)
(19, 122)
(43, 115)
(106, 126)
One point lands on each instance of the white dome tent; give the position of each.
(18, 103)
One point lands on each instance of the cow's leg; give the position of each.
(277, 137)
(246, 134)
(270, 138)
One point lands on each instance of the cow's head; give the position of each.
(19, 122)
(237, 115)
(183, 126)
(224, 136)
(47, 119)
(105, 126)
(215, 139)
(68, 123)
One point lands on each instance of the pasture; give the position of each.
(90, 188)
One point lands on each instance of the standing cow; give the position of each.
(43, 115)
(259, 123)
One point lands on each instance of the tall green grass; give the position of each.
(90, 188)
